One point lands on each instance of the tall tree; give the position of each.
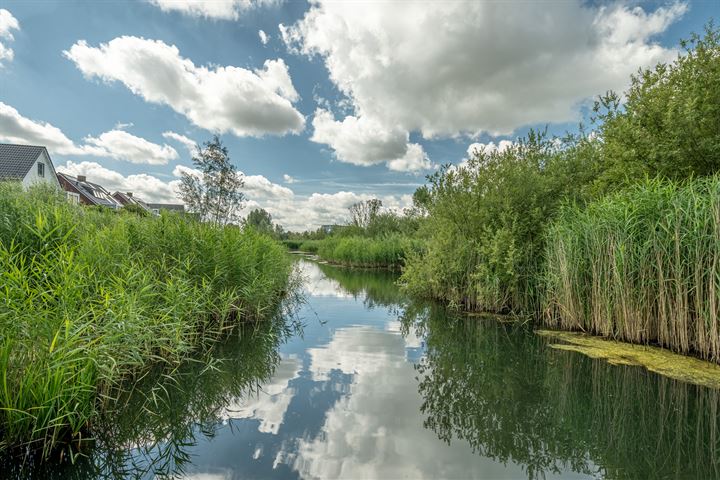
(363, 213)
(260, 220)
(215, 194)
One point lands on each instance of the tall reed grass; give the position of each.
(388, 251)
(91, 299)
(640, 266)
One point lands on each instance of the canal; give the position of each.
(377, 386)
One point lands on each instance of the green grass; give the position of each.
(376, 252)
(91, 299)
(641, 266)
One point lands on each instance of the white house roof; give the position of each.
(17, 160)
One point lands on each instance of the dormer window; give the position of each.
(41, 169)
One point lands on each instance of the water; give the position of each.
(380, 387)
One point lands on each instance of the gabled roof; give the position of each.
(129, 199)
(17, 160)
(93, 192)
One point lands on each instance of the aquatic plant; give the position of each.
(642, 266)
(90, 300)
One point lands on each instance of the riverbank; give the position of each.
(93, 299)
(383, 252)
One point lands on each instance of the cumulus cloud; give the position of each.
(15, 128)
(117, 143)
(257, 186)
(288, 179)
(449, 68)
(216, 9)
(186, 142)
(144, 186)
(488, 148)
(8, 23)
(373, 431)
(310, 212)
(263, 37)
(218, 98)
(121, 145)
(363, 141)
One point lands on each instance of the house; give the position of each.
(128, 199)
(87, 193)
(173, 207)
(28, 164)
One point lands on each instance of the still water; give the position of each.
(377, 386)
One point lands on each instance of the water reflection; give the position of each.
(378, 386)
(499, 388)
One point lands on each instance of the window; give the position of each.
(41, 169)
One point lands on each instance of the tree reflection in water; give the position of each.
(500, 388)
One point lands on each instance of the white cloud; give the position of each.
(116, 143)
(270, 403)
(15, 128)
(144, 186)
(288, 179)
(263, 37)
(216, 9)
(8, 23)
(121, 145)
(449, 68)
(217, 98)
(257, 186)
(186, 142)
(362, 141)
(488, 148)
(309, 212)
(414, 159)
(373, 431)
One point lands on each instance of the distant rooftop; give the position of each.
(177, 207)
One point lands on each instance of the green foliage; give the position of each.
(642, 265)
(135, 209)
(387, 251)
(215, 194)
(669, 126)
(261, 220)
(91, 299)
(485, 223)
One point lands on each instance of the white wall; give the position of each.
(50, 177)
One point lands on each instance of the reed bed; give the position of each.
(388, 251)
(641, 266)
(91, 299)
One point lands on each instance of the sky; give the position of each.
(321, 104)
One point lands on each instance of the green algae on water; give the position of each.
(655, 359)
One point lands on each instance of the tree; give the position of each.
(214, 194)
(669, 126)
(260, 220)
(363, 213)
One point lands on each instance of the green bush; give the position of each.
(91, 299)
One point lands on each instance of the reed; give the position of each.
(91, 299)
(387, 251)
(641, 266)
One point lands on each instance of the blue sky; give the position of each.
(343, 101)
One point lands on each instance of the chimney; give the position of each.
(81, 178)
(129, 194)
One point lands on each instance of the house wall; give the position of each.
(75, 193)
(50, 177)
